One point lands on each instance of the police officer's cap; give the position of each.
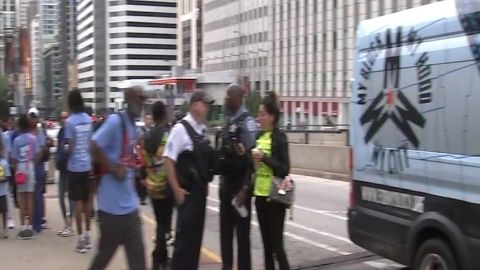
(201, 96)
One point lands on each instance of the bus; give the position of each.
(415, 136)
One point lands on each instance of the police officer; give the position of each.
(238, 137)
(189, 163)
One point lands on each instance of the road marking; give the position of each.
(327, 213)
(299, 226)
(383, 265)
(297, 237)
(212, 255)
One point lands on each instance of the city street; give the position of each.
(316, 238)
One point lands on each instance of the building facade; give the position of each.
(9, 17)
(22, 7)
(312, 54)
(49, 16)
(189, 31)
(122, 40)
(236, 38)
(53, 80)
(36, 52)
(142, 42)
(67, 42)
(91, 52)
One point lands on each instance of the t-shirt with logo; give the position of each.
(24, 149)
(117, 196)
(264, 174)
(78, 130)
(4, 173)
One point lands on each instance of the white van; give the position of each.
(415, 136)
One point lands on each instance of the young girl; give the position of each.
(23, 156)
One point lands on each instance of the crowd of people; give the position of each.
(117, 165)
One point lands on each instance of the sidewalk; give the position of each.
(51, 252)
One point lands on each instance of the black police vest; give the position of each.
(232, 133)
(195, 168)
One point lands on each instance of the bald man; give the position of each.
(238, 137)
(113, 147)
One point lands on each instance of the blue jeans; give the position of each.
(62, 189)
(38, 207)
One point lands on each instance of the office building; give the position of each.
(67, 42)
(7, 11)
(189, 33)
(312, 51)
(53, 81)
(36, 59)
(122, 40)
(236, 38)
(142, 42)
(91, 52)
(49, 16)
(22, 7)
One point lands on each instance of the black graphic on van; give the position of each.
(391, 103)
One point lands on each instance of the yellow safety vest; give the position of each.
(264, 174)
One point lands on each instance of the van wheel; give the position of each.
(434, 254)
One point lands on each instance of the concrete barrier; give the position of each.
(331, 162)
(336, 139)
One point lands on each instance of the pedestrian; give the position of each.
(7, 146)
(238, 138)
(118, 216)
(39, 221)
(140, 184)
(4, 190)
(78, 132)
(61, 159)
(25, 154)
(272, 160)
(157, 183)
(189, 163)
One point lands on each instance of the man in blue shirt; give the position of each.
(78, 132)
(113, 147)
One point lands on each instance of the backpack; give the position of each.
(156, 173)
(195, 168)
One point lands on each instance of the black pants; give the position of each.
(231, 221)
(189, 233)
(13, 186)
(141, 190)
(120, 230)
(271, 218)
(163, 212)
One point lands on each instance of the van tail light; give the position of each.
(352, 192)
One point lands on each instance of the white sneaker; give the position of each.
(87, 242)
(67, 232)
(10, 223)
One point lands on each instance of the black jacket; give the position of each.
(279, 161)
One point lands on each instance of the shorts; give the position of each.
(3, 204)
(29, 185)
(78, 186)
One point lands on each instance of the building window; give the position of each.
(143, 24)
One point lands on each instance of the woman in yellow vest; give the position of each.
(271, 160)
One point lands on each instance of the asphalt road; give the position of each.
(316, 238)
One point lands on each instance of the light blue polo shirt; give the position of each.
(117, 196)
(78, 128)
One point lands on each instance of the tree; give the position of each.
(4, 105)
(253, 101)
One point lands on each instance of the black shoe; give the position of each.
(143, 203)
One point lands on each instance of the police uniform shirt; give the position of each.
(249, 128)
(178, 139)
